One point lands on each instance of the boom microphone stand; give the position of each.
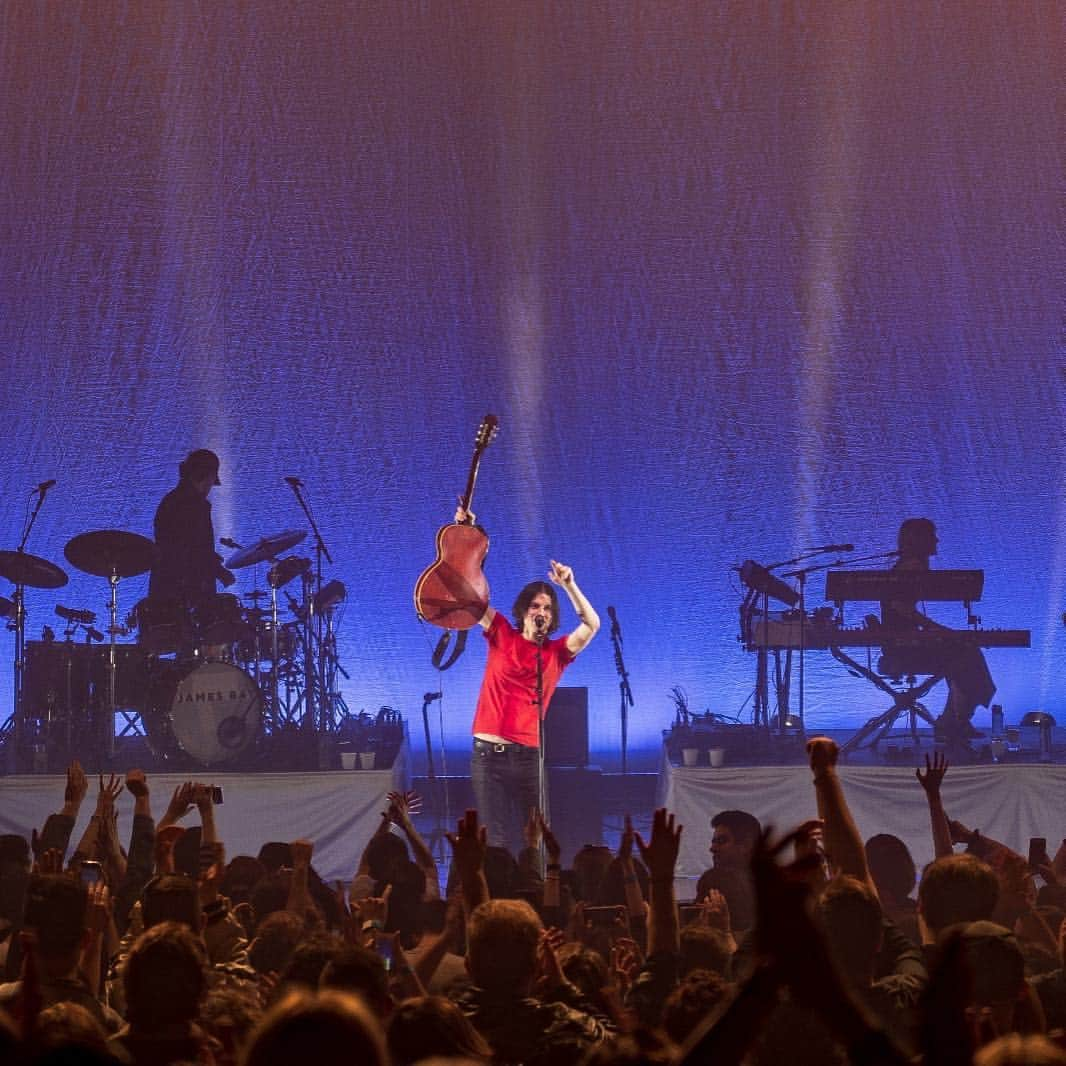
(538, 700)
(316, 714)
(625, 693)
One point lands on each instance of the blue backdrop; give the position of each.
(737, 279)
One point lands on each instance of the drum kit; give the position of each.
(207, 684)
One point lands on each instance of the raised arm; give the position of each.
(660, 857)
(55, 835)
(938, 819)
(589, 624)
(401, 806)
(842, 839)
(468, 851)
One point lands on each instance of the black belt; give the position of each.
(498, 747)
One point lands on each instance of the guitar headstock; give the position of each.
(486, 432)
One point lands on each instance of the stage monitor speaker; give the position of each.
(566, 728)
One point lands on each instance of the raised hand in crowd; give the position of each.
(402, 805)
(370, 914)
(935, 771)
(76, 789)
(469, 843)
(843, 843)
(180, 804)
(57, 829)
(660, 857)
(98, 930)
(166, 838)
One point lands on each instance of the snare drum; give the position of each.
(211, 711)
(219, 620)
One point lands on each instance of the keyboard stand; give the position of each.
(905, 700)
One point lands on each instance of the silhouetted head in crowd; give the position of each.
(612, 890)
(307, 962)
(172, 898)
(277, 936)
(69, 1025)
(324, 1029)
(229, 1013)
(165, 978)
(385, 854)
(501, 952)
(704, 948)
(242, 874)
(55, 911)
(1014, 1049)
(359, 970)
(891, 867)
(733, 835)
(432, 1026)
(954, 889)
(697, 994)
(590, 867)
(851, 917)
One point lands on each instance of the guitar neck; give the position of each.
(486, 432)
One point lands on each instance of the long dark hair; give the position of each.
(525, 598)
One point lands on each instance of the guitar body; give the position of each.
(453, 593)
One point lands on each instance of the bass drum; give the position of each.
(211, 711)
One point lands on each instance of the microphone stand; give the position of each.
(20, 640)
(538, 700)
(312, 622)
(625, 693)
(801, 576)
(436, 840)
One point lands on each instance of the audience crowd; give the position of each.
(802, 946)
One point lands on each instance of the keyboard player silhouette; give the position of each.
(963, 666)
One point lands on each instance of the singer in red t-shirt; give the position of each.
(505, 763)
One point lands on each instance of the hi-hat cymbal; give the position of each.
(264, 549)
(20, 568)
(111, 551)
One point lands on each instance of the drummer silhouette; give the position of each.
(187, 567)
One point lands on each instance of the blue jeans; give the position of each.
(505, 778)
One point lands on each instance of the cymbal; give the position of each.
(21, 568)
(111, 551)
(267, 548)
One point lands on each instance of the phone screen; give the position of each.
(1037, 851)
(91, 873)
(383, 945)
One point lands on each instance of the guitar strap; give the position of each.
(439, 662)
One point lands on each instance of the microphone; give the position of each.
(836, 548)
(94, 634)
(72, 614)
(44, 486)
(429, 697)
(227, 543)
(616, 629)
(294, 482)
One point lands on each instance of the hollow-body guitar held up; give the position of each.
(453, 592)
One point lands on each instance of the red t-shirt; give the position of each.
(505, 706)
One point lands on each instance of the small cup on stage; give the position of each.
(349, 759)
(716, 756)
(366, 760)
(690, 756)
